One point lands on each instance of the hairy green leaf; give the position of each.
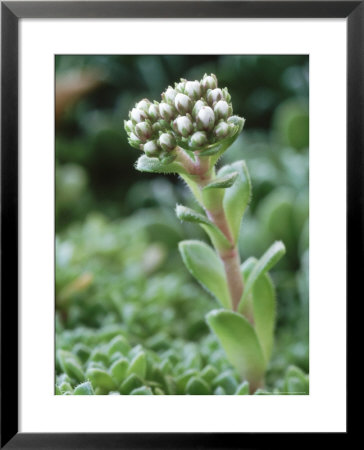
(204, 264)
(264, 310)
(84, 389)
(265, 263)
(240, 342)
(101, 379)
(295, 382)
(237, 196)
(146, 164)
(189, 215)
(138, 365)
(222, 182)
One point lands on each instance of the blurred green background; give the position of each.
(118, 272)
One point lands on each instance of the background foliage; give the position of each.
(129, 317)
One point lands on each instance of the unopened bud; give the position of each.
(198, 105)
(209, 82)
(214, 96)
(143, 105)
(169, 96)
(167, 141)
(205, 118)
(193, 89)
(183, 103)
(128, 125)
(183, 125)
(134, 141)
(137, 115)
(221, 130)
(156, 127)
(153, 112)
(221, 110)
(166, 111)
(180, 87)
(143, 130)
(198, 139)
(151, 149)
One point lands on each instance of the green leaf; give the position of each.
(223, 182)
(84, 389)
(265, 263)
(237, 197)
(296, 382)
(217, 237)
(143, 390)
(197, 386)
(138, 365)
(131, 383)
(119, 369)
(242, 389)
(209, 373)
(219, 391)
(146, 164)
(204, 264)
(240, 343)
(264, 311)
(101, 379)
(71, 365)
(227, 382)
(118, 344)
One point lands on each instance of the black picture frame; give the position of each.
(353, 11)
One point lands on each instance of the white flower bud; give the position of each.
(166, 111)
(221, 130)
(180, 87)
(209, 82)
(157, 127)
(183, 125)
(198, 105)
(205, 118)
(167, 141)
(143, 105)
(169, 96)
(214, 96)
(193, 89)
(128, 125)
(151, 148)
(137, 115)
(198, 139)
(143, 130)
(183, 103)
(153, 112)
(221, 110)
(134, 141)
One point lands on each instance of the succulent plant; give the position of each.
(186, 133)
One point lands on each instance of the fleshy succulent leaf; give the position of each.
(189, 215)
(265, 263)
(222, 182)
(154, 165)
(264, 311)
(204, 264)
(236, 197)
(240, 343)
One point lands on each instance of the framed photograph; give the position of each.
(181, 216)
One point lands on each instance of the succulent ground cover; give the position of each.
(129, 323)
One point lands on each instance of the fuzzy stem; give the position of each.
(215, 212)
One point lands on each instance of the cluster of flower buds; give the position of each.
(192, 114)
